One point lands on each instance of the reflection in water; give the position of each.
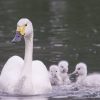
(23, 98)
(57, 27)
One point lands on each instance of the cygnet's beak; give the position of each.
(63, 71)
(75, 73)
(73, 76)
(19, 33)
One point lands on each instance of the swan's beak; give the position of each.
(17, 37)
(19, 33)
(21, 30)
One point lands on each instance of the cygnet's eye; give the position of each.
(25, 24)
(61, 66)
(78, 68)
(56, 70)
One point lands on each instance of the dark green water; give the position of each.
(64, 30)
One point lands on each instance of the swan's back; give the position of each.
(40, 77)
(10, 72)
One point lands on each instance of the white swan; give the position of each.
(25, 76)
(63, 66)
(83, 79)
(55, 77)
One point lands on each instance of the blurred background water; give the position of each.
(64, 30)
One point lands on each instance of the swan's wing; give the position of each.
(11, 71)
(40, 77)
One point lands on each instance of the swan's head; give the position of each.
(80, 71)
(24, 29)
(63, 66)
(54, 70)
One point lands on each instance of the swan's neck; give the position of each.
(28, 53)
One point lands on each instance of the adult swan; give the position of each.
(25, 76)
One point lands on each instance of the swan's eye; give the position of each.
(25, 24)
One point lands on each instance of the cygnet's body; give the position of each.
(55, 78)
(93, 80)
(83, 79)
(63, 67)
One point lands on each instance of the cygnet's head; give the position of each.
(24, 29)
(63, 66)
(80, 70)
(54, 70)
